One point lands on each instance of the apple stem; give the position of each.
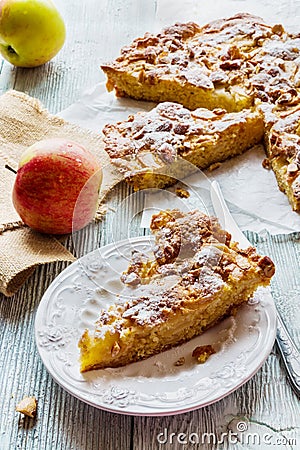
(10, 168)
(11, 50)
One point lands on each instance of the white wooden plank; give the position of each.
(96, 31)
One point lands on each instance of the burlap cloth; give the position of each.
(23, 121)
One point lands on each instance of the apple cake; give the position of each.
(239, 65)
(196, 276)
(152, 148)
(227, 63)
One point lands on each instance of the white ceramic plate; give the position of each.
(155, 386)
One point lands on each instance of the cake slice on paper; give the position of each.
(153, 149)
(227, 63)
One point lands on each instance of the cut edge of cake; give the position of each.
(282, 143)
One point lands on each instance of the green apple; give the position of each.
(31, 31)
(57, 186)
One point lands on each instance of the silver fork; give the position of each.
(287, 348)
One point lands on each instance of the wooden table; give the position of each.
(96, 29)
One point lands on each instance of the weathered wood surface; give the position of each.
(96, 30)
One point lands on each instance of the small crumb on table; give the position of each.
(100, 213)
(27, 406)
(203, 352)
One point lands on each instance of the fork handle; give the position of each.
(290, 354)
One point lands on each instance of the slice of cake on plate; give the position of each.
(195, 277)
(151, 148)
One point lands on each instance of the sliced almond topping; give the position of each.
(292, 168)
(115, 349)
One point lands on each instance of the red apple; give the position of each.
(53, 176)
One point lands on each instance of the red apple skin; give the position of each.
(51, 175)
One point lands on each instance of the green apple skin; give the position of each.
(57, 186)
(31, 31)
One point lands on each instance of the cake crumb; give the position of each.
(180, 361)
(182, 193)
(214, 166)
(27, 406)
(203, 352)
(100, 213)
(266, 163)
